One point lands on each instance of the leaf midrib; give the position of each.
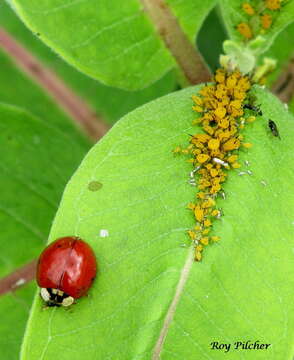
(173, 306)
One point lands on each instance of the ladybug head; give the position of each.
(55, 297)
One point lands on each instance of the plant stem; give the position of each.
(189, 60)
(18, 278)
(93, 125)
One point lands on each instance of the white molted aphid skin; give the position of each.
(67, 301)
(104, 233)
(19, 282)
(45, 294)
(219, 161)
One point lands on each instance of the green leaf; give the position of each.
(281, 50)
(234, 14)
(242, 290)
(14, 312)
(291, 105)
(33, 174)
(115, 42)
(210, 39)
(111, 103)
(16, 88)
(36, 163)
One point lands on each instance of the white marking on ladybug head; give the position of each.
(45, 294)
(67, 301)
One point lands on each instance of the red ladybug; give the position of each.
(65, 271)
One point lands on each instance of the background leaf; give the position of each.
(233, 15)
(16, 88)
(211, 37)
(115, 42)
(14, 312)
(240, 291)
(37, 161)
(282, 50)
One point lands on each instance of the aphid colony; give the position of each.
(214, 151)
(260, 17)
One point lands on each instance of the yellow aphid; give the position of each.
(239, 94)
(201, 195)
(232, 158)
(204, 182)
(191, 206)
(196, 152)
(206, 90)
(220, 77)
(178, 149)
(266, 21)
(198, 144)
(248, 9)
(215, 238)
(237, 104)
(245, 30)
(231, 81)
(215, 188)
(213, 172)
(223, 135)
(197, 100)
(199, 213)
(196, 121)
(220, 93)
(244, 84)
(201, 158)
(231, 144)
(197, 228)
(247, 145)
(204, 240)
(213, 144)
(192, 234)
(224, 123)
(220, 112)
(203, 138)
(273, 4)
(215, 212)
(208, 203)
(250, 119)
(198, 256)
(206, 231)
(199, 247)
(207, 222)
(197, 108)
(208, 129)
(236, 165)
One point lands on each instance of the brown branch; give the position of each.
(70, 102)
(18, 278)
(284, 86)
(186, 55)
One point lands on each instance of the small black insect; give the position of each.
(253, 108)
(274, 129)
